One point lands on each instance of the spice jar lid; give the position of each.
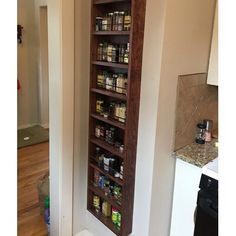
(201, 126)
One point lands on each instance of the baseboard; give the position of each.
(26, 126)
(84, 233)
(45, 126)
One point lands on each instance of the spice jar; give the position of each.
(120, 83)
(100, 52)
(112, 109)
(120, 21)
(209, 124)
(109, 21)
(115, 21)
(109, 52)
(104, 52)
(126, 55)
(114, 214)
(200, 135)
(106, 209)
(127, 21)
(100, 79)
(114, 53)
(109, 82)
(98, 26)
(114, 78)
(121, 53)
(100, 106)
(122, 112)
(97, 131)
(96, 203)
(96, 178)
(106, 163)
(104, 23)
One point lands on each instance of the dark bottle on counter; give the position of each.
(200, 135)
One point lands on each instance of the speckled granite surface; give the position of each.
(198, 154)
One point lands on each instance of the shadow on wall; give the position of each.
(195, 101)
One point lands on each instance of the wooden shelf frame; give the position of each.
(109, 121)
(111, 64)
(104, 33)
(132, 99)
(97, 2)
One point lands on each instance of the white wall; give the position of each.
(176, 41)
(186, 49)
(27, 73)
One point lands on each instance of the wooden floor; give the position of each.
(33, 163)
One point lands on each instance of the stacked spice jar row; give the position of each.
(109, 134)
(109, 163)
(112, 81)
(107, 210)
(113, 110)
(109, 187)
(114, 21)
(116, 53)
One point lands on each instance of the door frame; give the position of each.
(61, 112)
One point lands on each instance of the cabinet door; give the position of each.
(212, 78)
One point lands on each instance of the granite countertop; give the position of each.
(198, 154)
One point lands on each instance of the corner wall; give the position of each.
(27, 72)
(186, 48)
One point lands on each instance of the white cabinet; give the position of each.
(212, 78)
(187, 178)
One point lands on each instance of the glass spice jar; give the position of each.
(112, 109)
(115, 21)
(120, 83)
(122, 113)
(98, 25)
(104, 52)
(100, 52)
(96, 203)
(109, 21)
(104, 23)
(109, 52)
(114, 77)
(127, 21)
(121, 53)
(100, 79)
(125, 85)
(114, 53)
(109, 82)
(120, 21)
(126, 55)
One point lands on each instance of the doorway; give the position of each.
(33, 120)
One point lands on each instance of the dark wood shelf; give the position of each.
(108, 1)
(109, 121)
(101, 194)
(111, 64)
(107, 147)
(106, 221)
(110, 94)
(111, 33)
(128, 131)
(116, 180)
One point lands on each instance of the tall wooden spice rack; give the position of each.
(126, 131)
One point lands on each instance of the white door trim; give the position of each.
(61, 112)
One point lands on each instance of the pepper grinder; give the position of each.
(200, 135)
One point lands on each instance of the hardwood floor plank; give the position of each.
(33, 164)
